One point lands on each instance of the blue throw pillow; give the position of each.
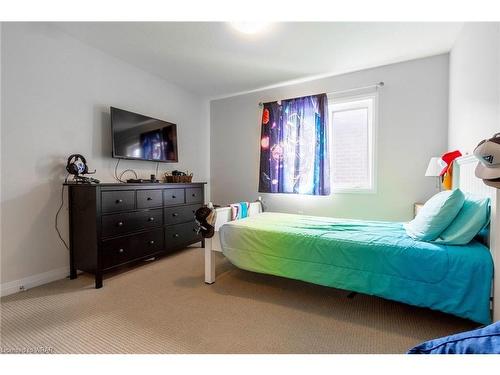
(479, 341)
(436, 215)
(474, 216)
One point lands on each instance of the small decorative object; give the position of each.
(442, 169)
(178, 177)
(447, 174)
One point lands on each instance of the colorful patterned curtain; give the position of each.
(294, 147)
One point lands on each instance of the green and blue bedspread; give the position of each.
(370, 257)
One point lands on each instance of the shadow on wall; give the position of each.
(102, 142)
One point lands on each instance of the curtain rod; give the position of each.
(377, 85)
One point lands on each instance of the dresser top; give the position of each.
(143, 184)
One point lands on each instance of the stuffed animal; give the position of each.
(205, 218)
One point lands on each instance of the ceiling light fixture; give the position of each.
(249, 27)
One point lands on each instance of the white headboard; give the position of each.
(465, 179)
(224, 213)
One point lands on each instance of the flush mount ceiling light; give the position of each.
(249, 27)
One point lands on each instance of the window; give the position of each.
(352, 128)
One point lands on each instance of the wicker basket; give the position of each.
(178, 179)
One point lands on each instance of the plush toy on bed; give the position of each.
(205, 218)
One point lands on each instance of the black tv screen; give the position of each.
(141, 137)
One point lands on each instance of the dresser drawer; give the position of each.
(180, 234)
(194, 195)
(180, 214)
(113, 201)
(149, 198)
(173, 196)
(125, 249)
(116, 224)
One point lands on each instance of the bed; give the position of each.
(370, 257)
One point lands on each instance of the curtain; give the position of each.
(294, 147)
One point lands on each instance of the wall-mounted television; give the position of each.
(140, 137)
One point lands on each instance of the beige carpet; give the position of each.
(164, 307)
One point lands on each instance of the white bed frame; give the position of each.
(212, 245)
(463, 178)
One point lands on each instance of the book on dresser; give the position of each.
(115, 224)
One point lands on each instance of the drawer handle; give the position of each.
(176, 235)
(193, 195)
(119, 201)
(121, 251)
(151, 219)
(173, 196)
(175, 214)
(120, 224)
(149, 198)
(151, 242)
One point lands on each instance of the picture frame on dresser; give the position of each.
(113, 224)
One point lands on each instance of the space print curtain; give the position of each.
(294, 147)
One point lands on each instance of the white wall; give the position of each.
(474, 86)
(56, 94)
(413, 120)
(475, 106)
(1, 179)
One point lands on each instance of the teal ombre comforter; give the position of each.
(369, 257)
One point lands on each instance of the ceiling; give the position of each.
(212, 59)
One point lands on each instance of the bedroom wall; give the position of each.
(474, 86)
(475, 106)
(1, 179)
(56, 93)
(413, 120)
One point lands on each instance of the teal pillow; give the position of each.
(472, 218)
(435, 215)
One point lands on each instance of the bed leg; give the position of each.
(209, 262)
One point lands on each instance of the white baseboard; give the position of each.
(15, 286)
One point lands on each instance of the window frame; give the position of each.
(334, 101)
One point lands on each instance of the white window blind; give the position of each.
(352, 144)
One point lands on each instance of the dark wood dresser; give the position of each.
(115, 224)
